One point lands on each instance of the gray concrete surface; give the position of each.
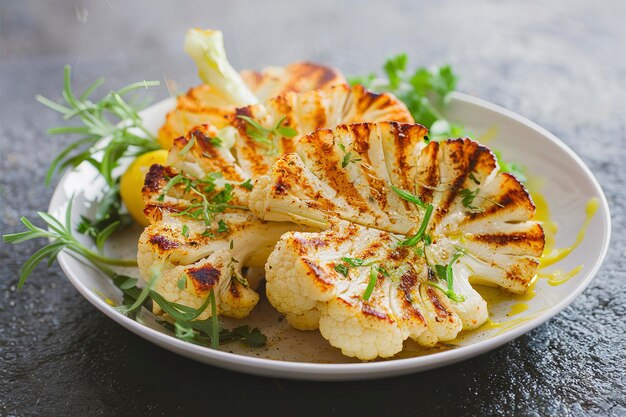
(560, 63)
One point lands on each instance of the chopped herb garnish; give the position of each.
(371, 284)
(182, 282)
(412, 241)
(353, 261)
(204, 201)
(188, 146)
(459, 298)
(247, 184)
(449, 272)
(382, 270)
(424, 91)
(470, 196)
(473, 178)
(222, 227)
(185, 231)
(408, 196)
(347, 157)
(268, 137)
(342, 269)
(446, 274)
(113, 118)
(217, 142)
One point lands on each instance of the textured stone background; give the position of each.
(560, 63)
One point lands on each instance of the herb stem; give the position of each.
(373, 277)
(215, 327)
(420, 232)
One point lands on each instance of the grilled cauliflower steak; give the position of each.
(406, 225)
(207, 104)
(203, 175)
(202, 234)
(305, 113)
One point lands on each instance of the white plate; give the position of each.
(568, 185)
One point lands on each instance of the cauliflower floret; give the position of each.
(192, 262)
(311, 279)
(407, 225)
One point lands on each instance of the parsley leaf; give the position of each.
(424, 91)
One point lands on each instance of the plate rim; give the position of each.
(358, 370)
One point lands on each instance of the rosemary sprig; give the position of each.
(110, 129)
(186, 325)
(60, 238)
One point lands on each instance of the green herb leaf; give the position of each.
(408, 196)
(185, 230)
(205, 202)
(58, 238)
(268, 137)
(412, 241)
(441, 271)
(247, 184)
(215, 335)
(342, 269)
(353, 261)
(182, 282)
(371, 284)
(188, 146)
(110, 129)
(468, 198)
(251, 337)
(424, 91)
(347, 157)
(222, 227)
(394, 68)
